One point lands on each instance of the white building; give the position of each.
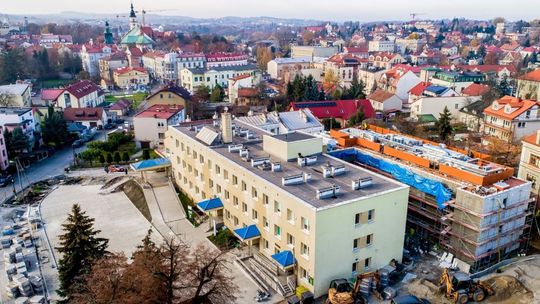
(19, 94)
(298, 51)
(382, 46)
(150, 125)
(435, 105)
(12, 118)
(278, 66)
(193, 78)
(190, 61)
(384, 101)
(285, 122)
(90, 56)
(511, 118)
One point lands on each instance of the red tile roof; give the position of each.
(82, 88)
(83, 114)
(418, 89)
(125, 70)
(160, 111)
(380, 95)
(343, 109)
(531, 139)
(121, 104)
(225, 57)
(248, 92)
(51, 94)
(136, 52)
(173, 88)
(475, 90)
(520, 106)
(532, 76)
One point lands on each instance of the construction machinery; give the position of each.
(341, 291)
(460, 288)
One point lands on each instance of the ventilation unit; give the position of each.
(338, 170)
(328, 192)
(326, 171)
(306, 161)
(292, 179)
(243, 153)
(361, 183)
(259, 161)
(276, 166)
(266, 166)
(235, 148)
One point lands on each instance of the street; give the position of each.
(49, 167)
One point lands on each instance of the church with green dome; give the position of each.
(136, 37)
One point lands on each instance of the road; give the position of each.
(49, 167)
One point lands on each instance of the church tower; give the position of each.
(132, 18)
(108, 35)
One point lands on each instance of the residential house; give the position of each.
(406, 45)
(381, 46)
(19, 94)
(472, 115)
(427, 105)
(529, 163)
(510, 118)
(88, 117)
(398, 81)
(12, 118)
(298, 51)
(370, 78)
(241, 90)
(340, 110)
(4, 158)
(169, 94)
(193, 78)
(457, 80)
(190, 61)
(529, 85)
(344, 67)
(219, 60)
(161, 66)
(384, 101)
(120, 108)
(278, 66)
(449, 49)
(81, 94)
(385, 60)
(135, 78)
(91, 54)
(50, 96)
(108, 64)
(150, 125)
(475, 89)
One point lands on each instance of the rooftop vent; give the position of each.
(276, 166)
(306, 161)
(235, 148)
(328, 192)
(330, 171)
(265, 166)
(259, 161)
(244, 153)
(361, 183)
(295, 179)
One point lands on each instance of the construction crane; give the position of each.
(143, 12)
(413, 15)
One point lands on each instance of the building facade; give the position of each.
(529, 163)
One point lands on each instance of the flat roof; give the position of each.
(306, 192)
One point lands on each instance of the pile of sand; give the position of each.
(508, 290)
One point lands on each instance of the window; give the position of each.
(277, 231)
(244, 186)
(266, 244)
(218, 170)
(357, 219)
(195, 155)
(225, 174)
(235, 200)
(367, 263)
(244, 208)
(277, 207)
(290, 216)
(235, 221)
(534, 160)
(369, 240)
(227, 214)
(354, 266)
(304, 250)
(266, 225)
(218, 188)
(355, 245)
(305, 224)
(254, 193)
(201, 159)
(211, 183)
(304, 274)
(234, 180)
(254, 215)
(370, 216)
(227, 194)
(290, 240)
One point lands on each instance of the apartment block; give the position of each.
(282, 196)
(474, 209)
(529, 163)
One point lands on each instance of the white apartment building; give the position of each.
(278, 66)
(90, 56)
(193, 78)
(381, 46)
(511, 118)
(529, 163)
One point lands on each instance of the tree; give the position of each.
(125, 157)
(13, 65)
(358, 118)
(356, 90)
(54, 128)
(330, 78)
(497, 20)
(101, 159)
(146, 154)
(109, 158)
(117, 158)
(6, 99)
(18, 142)
(80, 246)
(217, 94)
(331, 123)
(202, 93)
(263, 56)
(90, 154)
(444, 126)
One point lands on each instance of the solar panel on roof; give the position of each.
(207, 135)
(315, 104)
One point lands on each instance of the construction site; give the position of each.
(460, 203)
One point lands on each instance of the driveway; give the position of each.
(46, 168)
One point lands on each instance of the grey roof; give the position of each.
(292, 137)
(294, 121)
(247, 67)
(16, 89)
(306, 192)
(292, 60)
(260, 120)
(17, 111)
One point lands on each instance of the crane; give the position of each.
(413, 15)
(143, 12)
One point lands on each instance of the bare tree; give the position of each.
(6, 99)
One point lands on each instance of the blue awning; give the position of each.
(247, 233)
(284, 258)
(151, 164)
(211, 204)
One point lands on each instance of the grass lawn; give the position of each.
(137, 98)
(54, 83)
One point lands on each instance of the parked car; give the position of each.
(409, 299)
(78, 143)
(5, 180)
(109, 126)
(116, 168)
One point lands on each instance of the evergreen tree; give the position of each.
(54, 129)
(117, 158)
(322, 95)
(356, 90)
(146, 154)
(125, 157)
(217, 94)
(18, 142)
(80, 247)
(289, 91)
(298, 88)
(444, 127)
(101, 159)
(109, 158)
(358, 118)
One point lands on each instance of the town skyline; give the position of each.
(340, 11)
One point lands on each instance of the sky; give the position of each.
(335, 10)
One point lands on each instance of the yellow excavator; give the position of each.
(460, 288)
(342, 292)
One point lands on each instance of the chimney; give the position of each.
(226, 127)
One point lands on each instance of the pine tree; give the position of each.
(358, 118)
(298, 88)
(117, 157)
(18, 142)
(217, 94)
(80, 247)
(125, 157)
(444, 127)
(356, 90)
(109, 158)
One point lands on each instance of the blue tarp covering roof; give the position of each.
(211, 204)
(284, 258)
(151, 164)
(441, 193)
(247, 233)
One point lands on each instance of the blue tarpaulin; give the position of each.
(429, 186)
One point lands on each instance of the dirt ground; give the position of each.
(518, 283)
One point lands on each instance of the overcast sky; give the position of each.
(338, 10)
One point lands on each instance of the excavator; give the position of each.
(460, 288)
(342, 292)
